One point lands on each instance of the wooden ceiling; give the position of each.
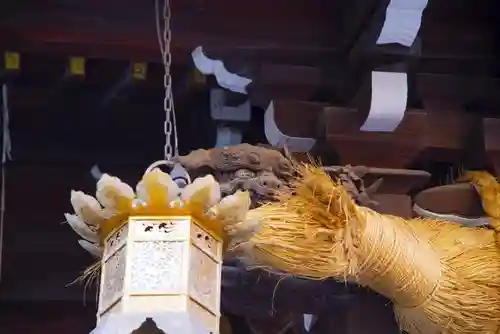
(306, 55)
(325, 45)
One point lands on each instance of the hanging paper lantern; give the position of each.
(160, 250)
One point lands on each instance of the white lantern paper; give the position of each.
(167, 268)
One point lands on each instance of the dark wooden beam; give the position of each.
(398, 149)
(459, 37)
(442, 142)
(459, 90)
(459, 28)
(288, 81)
(450, 133)
(368, 31)
(228, 28)
(321, 82)
(75, 71)
(456, 38)
(366, 54)
(430, 135)
(308, 83)
(287, 112)
(134, 75)
(48, 81)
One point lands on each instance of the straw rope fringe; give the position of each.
(442, 277)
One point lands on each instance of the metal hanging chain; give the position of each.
(164, 40)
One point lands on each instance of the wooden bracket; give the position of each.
(398, 149)
(450, 133)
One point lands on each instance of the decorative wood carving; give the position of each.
(243, 156)
(352, 179)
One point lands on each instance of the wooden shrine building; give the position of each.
(85, 88)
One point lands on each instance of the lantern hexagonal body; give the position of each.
(162, 264)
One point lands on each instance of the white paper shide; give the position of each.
(403, 19)
(388, 102)
(277, 138)
(231, 81)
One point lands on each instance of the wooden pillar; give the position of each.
(491, 132)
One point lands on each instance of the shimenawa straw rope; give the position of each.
(442, 277)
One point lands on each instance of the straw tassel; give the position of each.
(489, 189)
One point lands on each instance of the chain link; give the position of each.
(164, 39)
